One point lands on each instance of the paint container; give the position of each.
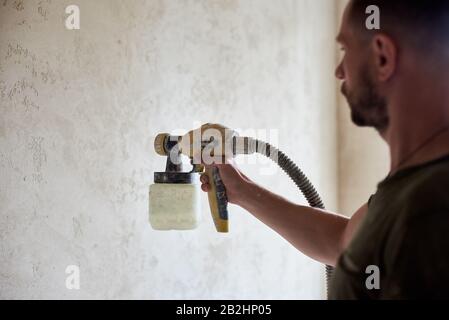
(175, 201)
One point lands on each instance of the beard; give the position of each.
(368, 106)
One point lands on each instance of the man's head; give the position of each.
(410, 30)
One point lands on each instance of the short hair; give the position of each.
(420, 23)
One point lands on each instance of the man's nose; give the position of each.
(339, 72)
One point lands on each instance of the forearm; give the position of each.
(316, 233)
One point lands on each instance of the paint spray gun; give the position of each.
(174, 198)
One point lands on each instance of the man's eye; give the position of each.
(342, 49)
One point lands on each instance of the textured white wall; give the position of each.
(79, 112)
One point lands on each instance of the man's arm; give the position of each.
(319, 234)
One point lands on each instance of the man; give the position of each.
(396, 80)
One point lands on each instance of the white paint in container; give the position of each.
(175, 206)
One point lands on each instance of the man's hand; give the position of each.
(233, 179)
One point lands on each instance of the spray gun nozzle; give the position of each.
(164, 143)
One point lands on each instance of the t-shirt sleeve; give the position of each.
(420, 260)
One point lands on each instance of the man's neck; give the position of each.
(415, 137)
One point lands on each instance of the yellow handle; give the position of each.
(217, 200)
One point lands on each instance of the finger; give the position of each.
(204, 178)
(244, 175)
(205, 187)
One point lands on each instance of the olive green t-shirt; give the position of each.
(401, 249)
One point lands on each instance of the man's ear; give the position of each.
(385, 56)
